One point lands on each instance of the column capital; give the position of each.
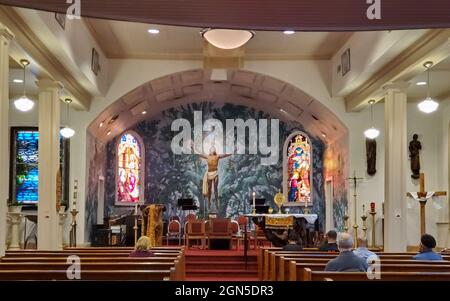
(5, 32)
(399, 86)
(46, 83)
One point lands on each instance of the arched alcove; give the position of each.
(258, 94)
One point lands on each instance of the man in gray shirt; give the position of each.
(347, 261)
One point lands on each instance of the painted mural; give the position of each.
(168, 177)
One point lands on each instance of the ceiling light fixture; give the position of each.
(288, 32)
(17, 80)
(144, 112)
(153, 31)
(428, 105)
(66, 131)
(421, 83)
(227, 38)
(108, 133)
(372, 132)
(23, 103)
(101, 124)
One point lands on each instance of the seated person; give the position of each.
(293, 242)
(330, 242)
(347, 261)
(427, 244)
(362, 250)
(142, 248)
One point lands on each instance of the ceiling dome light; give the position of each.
(421, 83)
(67, 132)
(288, 32)
(24, 104)
(227, 38)
(371, 133)
(153, 31)
(428, 105)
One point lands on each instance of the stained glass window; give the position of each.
(299, 169)
(25, 175)
(129, 167)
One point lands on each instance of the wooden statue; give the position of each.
(371, 155)
(414, 149)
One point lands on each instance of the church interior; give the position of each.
(214, 149)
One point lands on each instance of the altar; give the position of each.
(273, 225)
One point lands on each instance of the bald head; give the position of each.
(362, 242)
(345, 242)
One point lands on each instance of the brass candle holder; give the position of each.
(364, 218)
(346, 217)
(73, 231)
(373, 213)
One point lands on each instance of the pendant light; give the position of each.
(23, 103)
(66, 131)
(371, 133)
(428, 105)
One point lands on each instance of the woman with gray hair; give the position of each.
(347, 261)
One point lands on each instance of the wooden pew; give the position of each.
(283, 272)
(99, 266)
(386, 276)
(297, 271)
(110, 275)
(272, 266)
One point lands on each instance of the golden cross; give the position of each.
(422, 194)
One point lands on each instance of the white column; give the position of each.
(61, 221)
(49, 125)
(15, 218)
(395, 160)
(5, 38)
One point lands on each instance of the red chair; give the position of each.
(191, 217)
(174, 231)
(220, 229)
(196, 231)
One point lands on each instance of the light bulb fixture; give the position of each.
(227, 38)
(23, 103)
(288, 32)
(66, 131)
(372, 132)
(153, 31)
(428, 105)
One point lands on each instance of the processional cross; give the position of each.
(355, 183)
(423, 197)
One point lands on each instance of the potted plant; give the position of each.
(15, 207)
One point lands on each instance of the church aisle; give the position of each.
(220, 265)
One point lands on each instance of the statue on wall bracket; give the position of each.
(371, 156)
(414, 153)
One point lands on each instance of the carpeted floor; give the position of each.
(220, 265)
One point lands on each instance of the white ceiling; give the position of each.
(131, 40)
(439, 83)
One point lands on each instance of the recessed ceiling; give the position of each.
(131, 40)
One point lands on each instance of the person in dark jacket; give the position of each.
(347, 261)
(293, 242)
(427, 244)
(330, 242)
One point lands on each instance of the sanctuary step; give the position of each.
(211, 265)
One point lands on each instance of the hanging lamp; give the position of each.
(428, 105)
(66, 131)
(372, 132)
(23, 103)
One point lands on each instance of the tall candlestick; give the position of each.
(135, 208)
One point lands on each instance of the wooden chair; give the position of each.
(196, 231)
(174, 231)
(220, 229)
(259, 236)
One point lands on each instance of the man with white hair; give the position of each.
(347, 261)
